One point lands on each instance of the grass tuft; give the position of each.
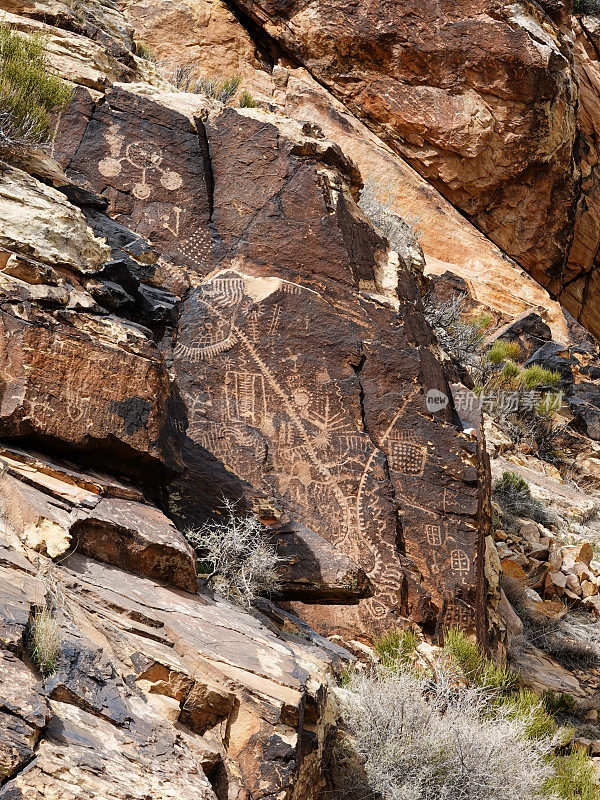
(45, 640)
(396, 646)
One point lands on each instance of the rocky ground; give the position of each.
(195, 306)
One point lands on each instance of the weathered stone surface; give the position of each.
(54, 510)
(312, 570)
(541, 672)
(71, 54)
(219, 664)
(82, 753)
(528, 330)
(94, 385)
(151, 164)
(138, 538)
(480, 103)
(23, 713)
(580, 282)
(38, 221)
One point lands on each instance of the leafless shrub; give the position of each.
(221, 89)
(460, 336)
(419, 741)
(180, 75)
(241, 562)
(376, 200)
(571, 641)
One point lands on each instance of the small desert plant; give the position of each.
(573, 778)
(476, 668)
(143, 50)
(460, 335)
(514, 497)
(246, 100)
(558, 701)
(502, 350)
(396, 646)
(535, 376)
(241, 561)
(45, 639)
(29, 89)
(377, 201)
(180, 75)
(221, 89)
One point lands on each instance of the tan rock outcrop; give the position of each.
(499, 148)
(249, 703)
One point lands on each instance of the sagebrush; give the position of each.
(237, 557)
(418, 742)
(29, 89)
(462, 729)
(513, 495)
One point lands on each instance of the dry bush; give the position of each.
(241, 562)
(376, 200)
(461, 336)
(45, 639)
(513, 495)
(419, 740)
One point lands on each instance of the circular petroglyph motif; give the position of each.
(142, 191)
(171, 180)
(301, 397)
(140, 157)
(109, 167)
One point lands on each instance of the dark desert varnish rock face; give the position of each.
(301, 354)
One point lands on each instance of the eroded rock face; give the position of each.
(478, 98)
(303, 359)
(135, 657)
(55, 510)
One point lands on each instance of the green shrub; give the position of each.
(525, 704)
(477, 669)
(535, 376)
(513, 495)
(396, 646)
(574, 777)
(246, 100)
(29, 89)
(558, 701)
(221, 89)
(498, 352)
(510, 370)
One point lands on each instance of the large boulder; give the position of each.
(301, 352)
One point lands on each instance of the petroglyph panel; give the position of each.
(264, 378)
(300, 391)
(151, 166)
(60, 383)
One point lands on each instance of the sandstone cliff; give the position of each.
(195, 308)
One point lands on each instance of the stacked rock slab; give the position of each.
(301, 352)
